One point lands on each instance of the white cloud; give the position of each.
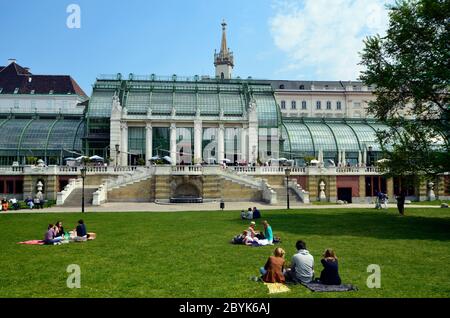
(326, 35)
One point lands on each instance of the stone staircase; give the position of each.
(129, 178)
(74, 199)
(282, 196)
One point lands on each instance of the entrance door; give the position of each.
(345, 194)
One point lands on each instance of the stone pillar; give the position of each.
(244, 148)
(332, 189)
(221, 143)
(422, 186)
(197, 141)
(123, 147)
(253, 143)
(148, 143)
(173, 143)
(390, 189)
(362, 189)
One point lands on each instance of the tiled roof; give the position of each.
(15, 76)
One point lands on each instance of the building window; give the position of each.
(281, 86)
(16, 104)
(293, 105)
(338, 105)
(328, 105)
(283, 104)
(302, 87)
(356, 105)
(303, 104)
(318, 105)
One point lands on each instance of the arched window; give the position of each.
(222, 76)
(282, 86)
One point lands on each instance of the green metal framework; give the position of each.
(305, 137)
(44, 138)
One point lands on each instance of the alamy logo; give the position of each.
(74, 279)
(74, 19)
(374, 279)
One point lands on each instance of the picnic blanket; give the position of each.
(317, 287)
(32, 242)
(275, 288)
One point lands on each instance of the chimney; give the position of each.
(11, 61)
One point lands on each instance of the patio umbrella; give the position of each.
(80, 158)
(96, 158)
(155, 158)
(167, 158)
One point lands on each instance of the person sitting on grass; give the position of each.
(251, 229)
(302, 269)
(266, 238)
(29, 202)
(329, 274)
(81, 232)
(59, 230)
(5, 204)
(272, 272)
(50, 236)
(256, 213)
(14, 204)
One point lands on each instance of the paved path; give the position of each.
(208, 206)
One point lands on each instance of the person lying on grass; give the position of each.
(273, 270)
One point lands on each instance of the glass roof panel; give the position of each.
(185, 103)
(345, 137)
(100, 104)
(232, 104)
(267, 110)
(162, 102)
(299, 138)
(138, 102)
(208, 103)
(323, 137)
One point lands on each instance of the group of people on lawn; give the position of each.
(301, 269)
(252, 237)
(56, 235)
(13, 203)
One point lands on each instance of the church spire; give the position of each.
(223, 46)
(224, 60)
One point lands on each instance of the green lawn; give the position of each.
(435, 202)
(189, 255)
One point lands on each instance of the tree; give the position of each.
(409, 69)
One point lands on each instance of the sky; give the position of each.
(271, 39)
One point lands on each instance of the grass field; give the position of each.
(189, 255)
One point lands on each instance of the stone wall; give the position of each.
(137, 192)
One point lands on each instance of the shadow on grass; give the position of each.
(380, 225)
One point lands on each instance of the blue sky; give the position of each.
(276, 39)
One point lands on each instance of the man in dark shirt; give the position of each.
(401, 202)
(256, 213)
(81, 229)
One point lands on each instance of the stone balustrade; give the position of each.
(187, 170)
(64, 194)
